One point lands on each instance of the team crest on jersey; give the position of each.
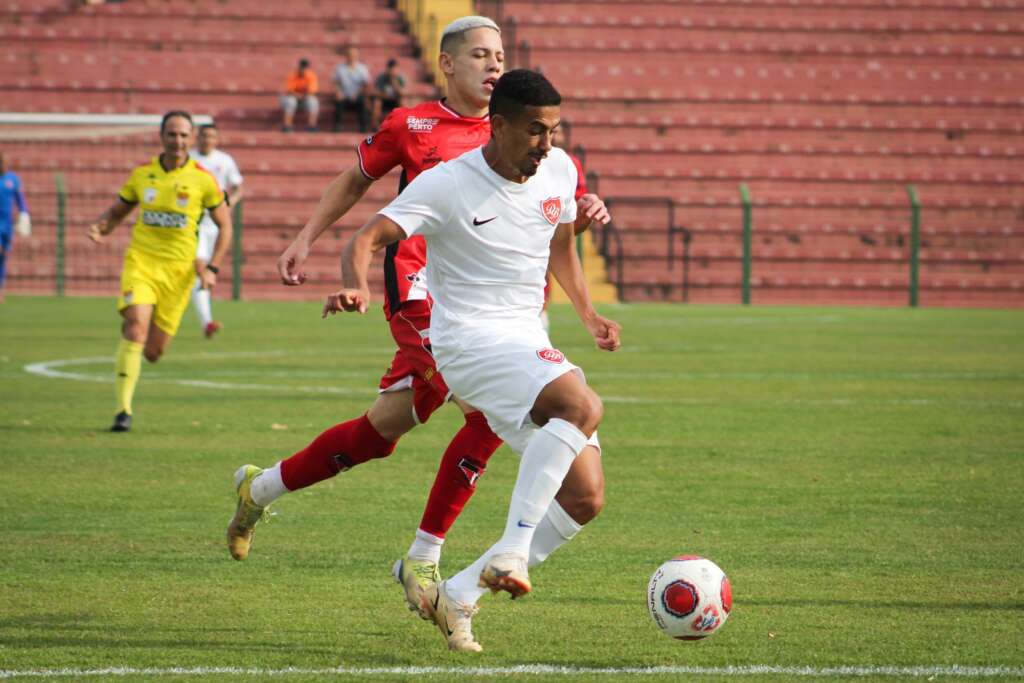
(149, 195)
(418, 124)
(182, 199)
(552, 209)
(551, 355)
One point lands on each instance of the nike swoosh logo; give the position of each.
(477, 221)
(525, 525)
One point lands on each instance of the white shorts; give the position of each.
(503, 380)
(208, 232)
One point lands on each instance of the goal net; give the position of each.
(71, 168)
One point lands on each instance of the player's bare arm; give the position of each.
(590, 209)
(564, 264)
(207, 272)
(109, 220)
(354, 295)
(338, 198)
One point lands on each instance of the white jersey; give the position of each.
(224, 169)
(488, 240)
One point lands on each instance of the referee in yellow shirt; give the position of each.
(160, 263)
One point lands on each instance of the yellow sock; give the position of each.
(128, 367)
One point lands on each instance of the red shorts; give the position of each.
(413, 365)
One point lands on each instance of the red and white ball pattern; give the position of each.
(689, 597)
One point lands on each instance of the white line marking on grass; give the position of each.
(543, 670)
(52, 370)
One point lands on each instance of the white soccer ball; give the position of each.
(689, 597)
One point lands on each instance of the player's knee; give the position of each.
(152, 354)
(587, 411)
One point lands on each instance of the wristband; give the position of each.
(213, 269)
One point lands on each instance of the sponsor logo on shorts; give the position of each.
(419, 124)
(164, 219)
(552, 209)
(551, 355)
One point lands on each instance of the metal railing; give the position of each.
(612, 235)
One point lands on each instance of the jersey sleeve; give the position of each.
(382, 151)
(234, 175)
(426, 205)
(581, 177)
(19, 195)
(569, 197)
(213, 196)
(129, 192)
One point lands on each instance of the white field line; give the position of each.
(54, 370)
(928, 672)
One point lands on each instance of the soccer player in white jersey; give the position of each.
(225, 170)
(495, 219)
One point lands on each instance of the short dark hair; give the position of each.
(303, 63)
(519, 89)
(171, 114)
(208, 126)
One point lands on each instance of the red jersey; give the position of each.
(415, 138)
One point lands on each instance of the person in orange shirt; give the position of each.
(300, 90)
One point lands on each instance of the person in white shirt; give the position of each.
(495, 220)
(352, 81)
(225, 170)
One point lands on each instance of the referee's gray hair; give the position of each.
(457, 29)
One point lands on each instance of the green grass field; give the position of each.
(857, 472)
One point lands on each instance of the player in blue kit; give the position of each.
(10, 194)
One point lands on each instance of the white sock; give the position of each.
(426, 547)
(201, 300)
(555, 530)
(268, 486)
(545, 462)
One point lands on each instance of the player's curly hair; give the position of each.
(519, 89)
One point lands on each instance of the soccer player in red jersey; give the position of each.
(416, 138)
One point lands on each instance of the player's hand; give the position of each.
(289, 266)
(95, 233)
(590, 209)
(207, 278)
(605, 332)
(348, 300)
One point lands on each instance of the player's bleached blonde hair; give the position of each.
(455, 32)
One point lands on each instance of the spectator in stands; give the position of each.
(225, 170)
(10, 194)
(301, 90)
(390, 86)
(352, 80)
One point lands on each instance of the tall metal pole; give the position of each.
(915, 243)
(747, 240)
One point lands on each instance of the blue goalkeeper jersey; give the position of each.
(10, 193)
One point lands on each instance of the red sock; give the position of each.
(463, 463)
(339, 448)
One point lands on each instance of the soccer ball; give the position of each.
(689, 597)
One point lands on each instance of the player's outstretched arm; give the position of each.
(378, 233)
(339, 196)
(207, 272)
(109, 220)
(565, 266)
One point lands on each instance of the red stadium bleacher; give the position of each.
(825, 110)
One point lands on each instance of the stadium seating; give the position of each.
(825, 110)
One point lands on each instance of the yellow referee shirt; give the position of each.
(171, 204)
